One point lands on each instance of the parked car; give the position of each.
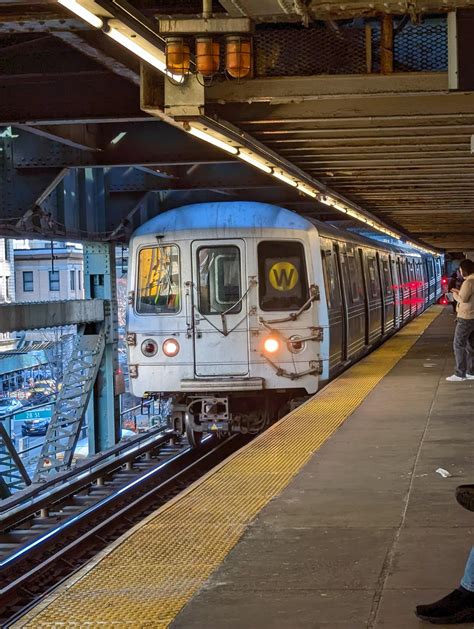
(9, 406)
(34, 427)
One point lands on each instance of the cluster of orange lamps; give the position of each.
(238, 56)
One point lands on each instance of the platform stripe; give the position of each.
(147, 576)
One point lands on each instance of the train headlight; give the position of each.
(170, 347)
(149, 348)
(295, 344)
(271, 345)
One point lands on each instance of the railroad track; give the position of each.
(36, 554)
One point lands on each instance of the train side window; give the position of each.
(373, 279)
(158, 290)
(283, 283)
(219, 283)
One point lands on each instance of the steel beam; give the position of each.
(275, 90)
(48, 314)
(143, 144)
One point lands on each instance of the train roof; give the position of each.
(251, 215)
(228, 214)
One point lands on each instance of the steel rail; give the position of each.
(114, 514)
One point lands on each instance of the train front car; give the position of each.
(224, 314)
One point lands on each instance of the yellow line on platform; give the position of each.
(147, 576)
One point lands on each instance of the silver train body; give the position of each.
(234, 308)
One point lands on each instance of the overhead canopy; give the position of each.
(81, 159)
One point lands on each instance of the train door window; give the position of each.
(331, 279)
(219, 281)
(373, 277)
(158, 285)
(354, 275)
(283, 283)
(387, 279)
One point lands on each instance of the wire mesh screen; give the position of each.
(421, 47)
(296, 51)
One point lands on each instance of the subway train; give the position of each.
(236, 308)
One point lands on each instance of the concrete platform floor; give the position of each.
(368, 529)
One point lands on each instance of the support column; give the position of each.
(100, 282)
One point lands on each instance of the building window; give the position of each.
(72, 275)
(54, 280)
(27, 281)
(79, 280)
(7, 288)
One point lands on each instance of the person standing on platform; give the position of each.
(457, 607)
(455, 281)
(464, 334)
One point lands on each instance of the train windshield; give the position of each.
(219, 284)
(158, 280)
(283, 284)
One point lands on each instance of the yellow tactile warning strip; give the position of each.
(150, 573)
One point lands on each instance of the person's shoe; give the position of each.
(457, 607)
(470, 376)
(454, 378)
(465, 496)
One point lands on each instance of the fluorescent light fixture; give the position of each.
(118, 137)
(83, 13)
(254, 161)
(146, 51)
(207, 137)
(284, 178)
(309, 191)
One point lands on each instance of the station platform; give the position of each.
(335, 517)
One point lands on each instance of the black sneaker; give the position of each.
(457, 607)
(465, 496)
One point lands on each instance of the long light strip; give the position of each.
(156, 58)
(306, 190)
(254, 161)
(83, 13)
(284, 178)
(207, 137)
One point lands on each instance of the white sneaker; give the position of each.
(455, 378)
(470, 376)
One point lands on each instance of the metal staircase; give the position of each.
(65, 426)
(13, 475)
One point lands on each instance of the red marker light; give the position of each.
(444, 281)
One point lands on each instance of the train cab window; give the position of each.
(219, 279)
(158, 290)
(283, 283)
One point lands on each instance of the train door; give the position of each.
(336, 310)
(221, 336)
(389, 292)
(397, 290)
(375, 297)
(383, 294)
(355, 299)
(404, 290)
(344, 306)
(363, 266)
